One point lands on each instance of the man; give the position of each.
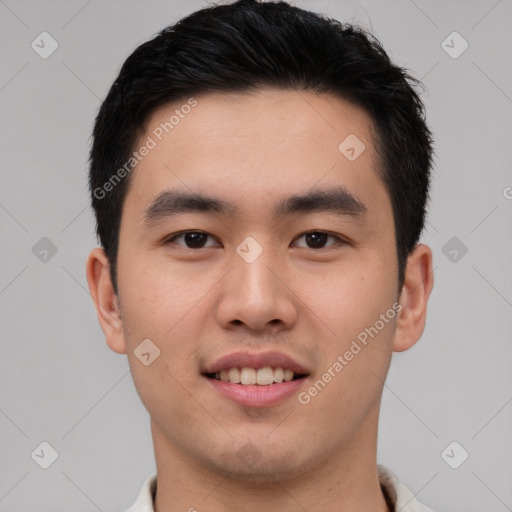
(259, 176)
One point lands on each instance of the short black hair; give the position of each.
(243, 47)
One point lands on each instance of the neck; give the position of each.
(347, 480)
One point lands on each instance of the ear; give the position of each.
(418, 283)
(105, 299)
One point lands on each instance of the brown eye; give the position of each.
(317, 239)
(190, 239)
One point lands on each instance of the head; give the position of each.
(295, 131)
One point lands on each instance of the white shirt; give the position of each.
(402, 498)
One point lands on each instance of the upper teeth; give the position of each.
(262, 376)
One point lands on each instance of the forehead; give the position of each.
(255, 148)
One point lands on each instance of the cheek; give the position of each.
(356, 348)
(162, 305)
(158, 298)
(350, 298)
(349, 306)
(171, 308)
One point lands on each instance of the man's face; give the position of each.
(287, 291)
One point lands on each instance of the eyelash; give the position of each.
(338, 239)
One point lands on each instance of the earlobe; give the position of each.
(419, 280)
(105, 300)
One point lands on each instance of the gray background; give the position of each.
(61, 384)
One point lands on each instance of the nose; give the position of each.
(258, 296)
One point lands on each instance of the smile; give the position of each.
(247, 376)
(255, 379)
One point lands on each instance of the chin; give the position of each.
(252, 465)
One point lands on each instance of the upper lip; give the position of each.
(253, 360)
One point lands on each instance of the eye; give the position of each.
(192, 239)
(318, 239)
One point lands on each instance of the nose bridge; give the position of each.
(253, 273)
(253, 294)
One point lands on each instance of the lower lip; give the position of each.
(257, 396)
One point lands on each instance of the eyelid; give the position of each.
(339, 239)
(170, 239)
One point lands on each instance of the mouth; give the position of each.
(256, 380)
(248, 376)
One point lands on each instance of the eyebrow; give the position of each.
(334, 199)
